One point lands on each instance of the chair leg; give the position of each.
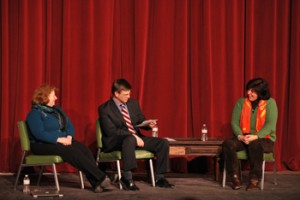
(55, 177)
(19, 170)
(224, 176)
(274, 173)
(98, 156)
(152, 172)
(18, 176)
(119, 173)
(81, 180)
(263, 176)
(40, 175)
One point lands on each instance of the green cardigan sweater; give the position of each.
(270, 123)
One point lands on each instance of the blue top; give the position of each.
(44, 124)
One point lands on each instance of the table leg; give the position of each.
(216, 160)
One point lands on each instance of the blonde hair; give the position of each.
(41, 94)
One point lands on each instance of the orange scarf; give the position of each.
(246, 116)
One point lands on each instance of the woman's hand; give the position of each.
(247, 138)
(65, 140)
(241, 138)
(250, 138)
(70, 138)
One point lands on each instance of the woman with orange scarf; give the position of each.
(253, 123)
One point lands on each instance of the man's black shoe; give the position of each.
(162, 182)
(128, 184)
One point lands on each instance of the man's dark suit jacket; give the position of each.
(113, 124)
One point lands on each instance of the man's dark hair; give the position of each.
(119, 85)
(260, 86)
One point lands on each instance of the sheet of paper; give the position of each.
(146, 123)
(170, 139)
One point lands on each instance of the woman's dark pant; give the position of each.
(255, 151)
(77, 155)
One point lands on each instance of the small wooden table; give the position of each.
(196, 147)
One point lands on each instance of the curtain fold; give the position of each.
(187, 60)
(290, 137)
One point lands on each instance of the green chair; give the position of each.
(37, 160)
(115, 156)
(268, 157)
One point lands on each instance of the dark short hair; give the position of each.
(260, 86)
(119, 85)
(41, 94)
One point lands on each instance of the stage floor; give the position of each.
(187, 187)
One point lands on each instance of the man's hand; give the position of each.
(139, 141)
(152, 124)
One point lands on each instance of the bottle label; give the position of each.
(26, 182)
(204, 131)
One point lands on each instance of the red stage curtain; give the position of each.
(188, 62)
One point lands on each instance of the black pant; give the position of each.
(255, 151)
(127, 145)
(76, 155)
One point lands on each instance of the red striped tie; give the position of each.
(127, 119)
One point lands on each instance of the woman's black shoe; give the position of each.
(104, 184)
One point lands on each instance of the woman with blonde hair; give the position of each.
(52, 133)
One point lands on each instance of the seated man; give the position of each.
(118, 118)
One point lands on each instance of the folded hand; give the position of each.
(65, 140)
(250, 138)
(247, 138)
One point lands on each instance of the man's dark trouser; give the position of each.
(127, 145)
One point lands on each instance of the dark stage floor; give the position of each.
(188, 187)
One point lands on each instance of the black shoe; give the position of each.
(103, 184)
(98, 189)
(236, 183)
(162, 182)
(253, 184)
(128, 184)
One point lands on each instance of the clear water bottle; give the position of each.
(26, 184)
(204, 132)
(155, 131)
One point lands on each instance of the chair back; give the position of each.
(24, 136)
(98, 134)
